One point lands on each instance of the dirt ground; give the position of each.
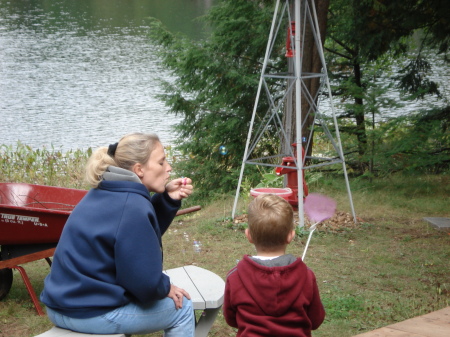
(338, 223)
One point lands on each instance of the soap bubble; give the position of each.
(223, 150)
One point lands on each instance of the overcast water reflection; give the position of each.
(79, 74)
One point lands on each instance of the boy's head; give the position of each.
(270, 221)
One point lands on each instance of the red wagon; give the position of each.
(31, 221)
(32, 218)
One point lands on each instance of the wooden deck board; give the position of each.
(435, 324)
(383, 332)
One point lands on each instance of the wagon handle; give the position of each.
(188, 210)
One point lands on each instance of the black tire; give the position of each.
(6, 278)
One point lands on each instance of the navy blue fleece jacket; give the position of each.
(110, 251)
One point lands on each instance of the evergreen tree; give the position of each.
(215, 89)
(216, 79)
(360, 36)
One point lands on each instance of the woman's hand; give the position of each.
(176, 294)
(179, 188)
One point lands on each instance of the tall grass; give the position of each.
(21, 163)
(390, 267)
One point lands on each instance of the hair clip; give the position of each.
(112, 149)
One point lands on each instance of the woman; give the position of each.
(106, 275)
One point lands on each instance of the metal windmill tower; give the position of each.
(285, 106)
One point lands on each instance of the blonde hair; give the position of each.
(270, 220)
(131, 149)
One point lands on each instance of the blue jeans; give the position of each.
(135, 318)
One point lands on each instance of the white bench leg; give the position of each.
(205, 322)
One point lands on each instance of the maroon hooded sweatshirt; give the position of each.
(272, 299)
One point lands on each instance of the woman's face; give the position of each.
(155, 173)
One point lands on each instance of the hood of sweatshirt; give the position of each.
(273, 288)
(114, 173)
(116, 179)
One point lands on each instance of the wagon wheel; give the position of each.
(6, 278)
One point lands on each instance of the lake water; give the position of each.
(79, 74)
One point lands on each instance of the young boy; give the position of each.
(272, 293)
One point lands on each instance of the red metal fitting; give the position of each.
(290, 36)
(292, 177)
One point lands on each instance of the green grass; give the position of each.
(390, 267)
(52, 167)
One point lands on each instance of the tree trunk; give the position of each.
(359, 114)
(311, 63)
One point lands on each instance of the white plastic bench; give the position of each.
(205, 287)
(58, 332)
(206, 290)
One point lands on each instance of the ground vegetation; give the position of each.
(389, 266)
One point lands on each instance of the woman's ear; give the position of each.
(137, 169)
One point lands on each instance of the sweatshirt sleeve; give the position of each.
(229, 312)
(166, 209)
(316, 311)
(138, 253)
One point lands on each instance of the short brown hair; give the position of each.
(270, 220)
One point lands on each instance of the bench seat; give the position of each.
(58, 332)
(205, 288)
